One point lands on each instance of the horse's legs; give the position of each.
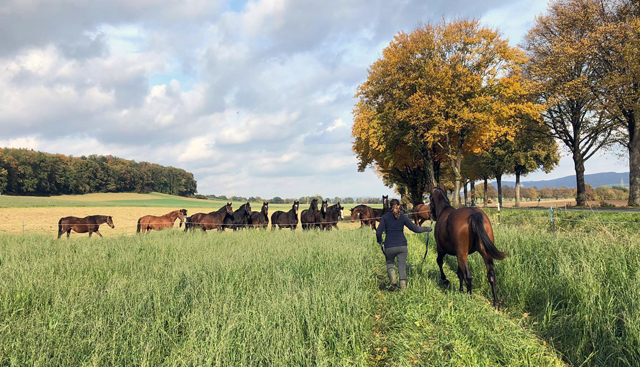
(491, 276)
(90, 233)
(99, 234)
(440, 261)
(463, 266)
(460, 276)
(68, 233)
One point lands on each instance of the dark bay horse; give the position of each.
(89, 224)
(460, 232)
(367, 216)
(150, 222)
(239, 219)
(213, 220)
(260, 219)
(320, 215)
(308, 216)
(421, 213)
(378, 213)
(332, 217)
(286, 220)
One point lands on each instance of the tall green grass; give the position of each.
(294, 298)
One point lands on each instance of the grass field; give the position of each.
(296, 298)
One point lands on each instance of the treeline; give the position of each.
(27, 172)
(534, 193)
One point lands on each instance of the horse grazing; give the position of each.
(421, 213)
(460, 232)
(239, 219)
(332, 217)
(308, 216)
(213, 220)
(367, 216)
(150, 222)
(89, 224)
(260, 219)
(286, 220)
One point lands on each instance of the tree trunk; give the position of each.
(473, 193)
(499, 182)
(465, 195)
(634, 160)
(517, 189)
(581, 189)
(484, 200)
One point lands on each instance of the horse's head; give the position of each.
(110, 222)
(314, 204)
(354, 215)
(340, 210)
(385, 201)
(295, 206)
(229, 209)
(265, 208)
(324, 206)
(437, 198)
(182, 214)
(247, 208)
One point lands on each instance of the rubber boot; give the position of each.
(392, 278)
(403, 285)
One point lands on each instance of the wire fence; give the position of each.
(557, 220)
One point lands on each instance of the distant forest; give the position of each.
(27, 172)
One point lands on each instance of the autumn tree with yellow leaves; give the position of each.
(439, 92)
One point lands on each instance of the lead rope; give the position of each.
(426, 249)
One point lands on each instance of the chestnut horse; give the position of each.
(260, 219)
(460, 232)
(150, 222)
(213, 220)
(83, 225)
(421, 213)
(367, 216)
(286, 220)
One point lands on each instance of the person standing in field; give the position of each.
(395, 244)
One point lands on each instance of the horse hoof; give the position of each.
(446, 283)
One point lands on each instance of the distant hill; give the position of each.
(593, 179)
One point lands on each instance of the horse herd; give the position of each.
(323, 217)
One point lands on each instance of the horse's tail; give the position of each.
(138, 227)
(476, 225)
(60, 227)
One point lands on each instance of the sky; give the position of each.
(253, 97)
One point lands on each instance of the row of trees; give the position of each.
(533, 193)
(452, 103)
(27, 172)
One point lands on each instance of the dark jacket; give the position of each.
(395, 229)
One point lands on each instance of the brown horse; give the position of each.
(421, 213)
(460, 232)
(286, 220)
(83, 225)
(150, 222)
(367, 216)
(213, 220)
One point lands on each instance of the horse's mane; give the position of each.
(444, 196)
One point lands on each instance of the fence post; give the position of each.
(553, 221)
